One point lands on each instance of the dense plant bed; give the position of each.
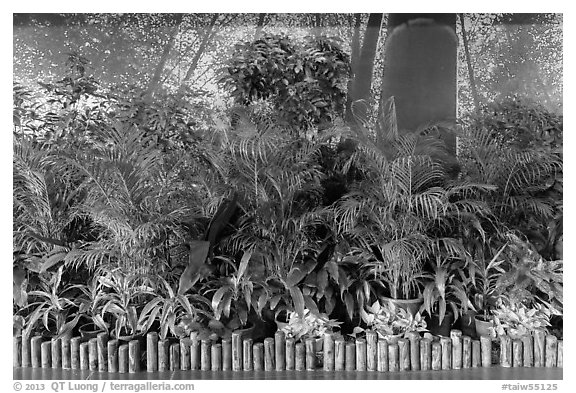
(369, 353)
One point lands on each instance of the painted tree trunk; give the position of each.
(420, 70)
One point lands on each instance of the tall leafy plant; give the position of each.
(402, 207)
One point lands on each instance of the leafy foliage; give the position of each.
(305, 84)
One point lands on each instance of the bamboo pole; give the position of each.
(476, 354)
(56, 350)
(84, 356)
(414, 338)
(46, 349)
(185, 344)
(339, 354)
(163, 355)
(102, 348)
(113, 355)
(205, 352)
(560, 362)
(456, 338)
(486, 349)
(195, 355)
(152, 352)
(258, 356)
(436, 356)
(247, 355)
(26, 357)
(65, 347)
(426, 354)
(329, 360)
(446, 344)
(175, 357)
(280, 350)
(371, 351)
(466, 352)
(269, 354)
(404, 352)
(528, 346)
(350, 356)
(93, 354)
(226, 354)
(361, 356)
(35, 348)
(517, 360)
(123, 352)
(393, 357)
(236, 351)
(17, 351)
(505, 351)
(216, 356)
(382, 358)
(310, 345)
(290, 354)
(539, 348)
(551, 351)
(300, 356)
(75, 352)
(134, 356)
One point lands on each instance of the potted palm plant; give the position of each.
(393, 212)
(484, 285)
(442, 290)
(235, 296)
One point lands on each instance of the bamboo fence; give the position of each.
(280, 353)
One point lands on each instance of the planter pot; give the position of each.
(468, 324)
(247, 332)
(88, 331)
(483, 326)
(440, 329)
(410, 305)
(281, 321)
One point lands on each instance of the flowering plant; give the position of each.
(310, 325)
(389, 321)
(517, 320)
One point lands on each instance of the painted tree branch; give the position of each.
(469, 64)
(203, 44)
(155, 81)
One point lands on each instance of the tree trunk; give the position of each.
(259, 25)
(364, 67)
(205, 39)
(155, 81)
(473, 88)
(420, 70)
(354, 59)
